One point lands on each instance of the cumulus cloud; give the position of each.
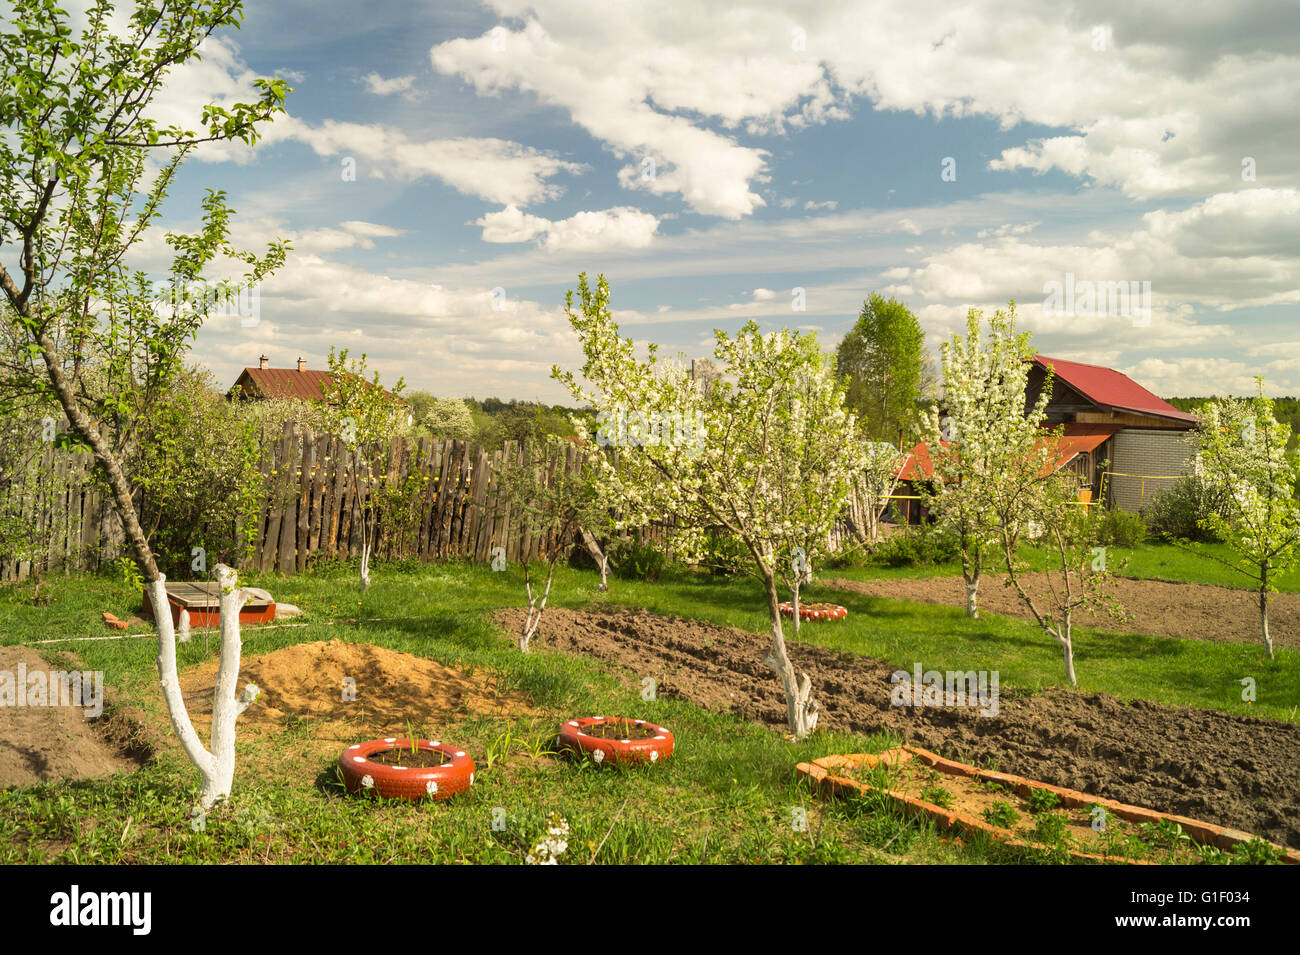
(387, 87)
(620, 227)
(1155, 109)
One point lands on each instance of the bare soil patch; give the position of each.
(46, 743)
(1231, 770)
(1154, 607)
(303, 688)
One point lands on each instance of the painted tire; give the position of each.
(816, 612)
(600, 750)
(401, 782)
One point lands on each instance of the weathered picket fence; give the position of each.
(445, 502)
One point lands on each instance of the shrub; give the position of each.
(724, 554)
(916, 546)
(1120, 528)
(1177, 511)
(635, 559)
(851, 555)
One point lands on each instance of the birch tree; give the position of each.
(84, 172)
(767, 452)
(983, 432)
(1242, 454)
(873, 487)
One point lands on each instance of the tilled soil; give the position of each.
(1230, 770)
(45, 743)
(1156, 607)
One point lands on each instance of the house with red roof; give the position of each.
(267, 382)
(1122, 442)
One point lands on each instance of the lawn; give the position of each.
(1151, 560)
(729, 794)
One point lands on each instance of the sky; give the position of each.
(445, 170)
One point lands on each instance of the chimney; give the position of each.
(302, 364)
(263, 363)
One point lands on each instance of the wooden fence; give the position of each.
(445, 502)
(312, 506)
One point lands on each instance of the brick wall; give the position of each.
(1139, 451)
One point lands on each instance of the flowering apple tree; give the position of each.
(984, 433)
(1242, 453)
(766, 453)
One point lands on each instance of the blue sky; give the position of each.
(507, 145)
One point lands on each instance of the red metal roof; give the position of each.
(1077, 439)
(287, 383)
(1112, 389)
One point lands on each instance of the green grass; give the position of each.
(1153, 560)
(729, 794)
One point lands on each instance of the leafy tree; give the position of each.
(197, 471)
(449, 418)
(368, 418)
(1242, 454)
(982, 437)
(84, 171)
(766, 455)
(883, 356)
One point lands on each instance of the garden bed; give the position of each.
(1027, 813)
(1193, 762)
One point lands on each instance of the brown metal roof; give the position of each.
(285, 383)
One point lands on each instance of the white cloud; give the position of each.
(622, 227)
(493, 169)
(1171, 106)
(380, 86)
(829, 204)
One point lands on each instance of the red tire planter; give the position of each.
(601, 750)
(406, 782)
(814, 611)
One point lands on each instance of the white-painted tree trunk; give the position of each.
(533, 618)
(217, 767)
(598, 555)
(1263, 621)
(365, 565)
(1065, 639)
(801, 709)
(972, 596)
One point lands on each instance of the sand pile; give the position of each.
(307, 682)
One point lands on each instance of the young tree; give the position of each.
(1242, 454)
(1032, 493)
(368, 418)
(883, 356)
(985, 431)
(551, 498)
(767, 453)
(76, 194)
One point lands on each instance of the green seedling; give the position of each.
(937, 795)
(535, 743)
(1165, 834)
(1257, 852)
(1050, 828)
(498, 749)
(1001, 814)
(1042, 800)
